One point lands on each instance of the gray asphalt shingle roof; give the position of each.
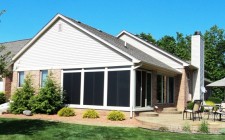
(129, 49)
(15, 46)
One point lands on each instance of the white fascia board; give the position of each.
(134, 60)
(152, 46)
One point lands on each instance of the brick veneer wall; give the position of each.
(35, 78)
(7, 86)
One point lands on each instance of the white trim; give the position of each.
(62, 76)
(75, 66)
(100, 107)
(105, 94)
(154, 47)
(58, 16)
(82, 88)
(132, 91)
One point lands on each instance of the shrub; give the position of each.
(163, 129)
(186, 127)
(2, 98)
(222, 131)
(211, 103)
(204, 127)
(50, 98)
(116, 116)
(22, 96)
(190, 105)
(215, 100)
(66, 112)
(90, 113)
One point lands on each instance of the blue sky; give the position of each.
(24, 18)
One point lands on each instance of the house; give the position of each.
(14, 47)
(101, 71)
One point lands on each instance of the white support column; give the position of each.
(132, 90)
(105, 86)
(82, 88)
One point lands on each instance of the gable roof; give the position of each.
(154, 47)
(115, 43)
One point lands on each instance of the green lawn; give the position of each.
(20, 129)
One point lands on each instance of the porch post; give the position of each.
(132, 90)
(82, 88)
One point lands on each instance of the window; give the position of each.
(160, 88)
(71, 86)
(44, 74)
(93, 88)
(118, 88)
(21, 78)
(170, 90)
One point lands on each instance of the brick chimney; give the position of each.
(197, 60)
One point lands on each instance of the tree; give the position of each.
(22, 97)
(147, 37)
(167, 43)
(5, 57)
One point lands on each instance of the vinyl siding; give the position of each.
(67, 48)
(152, 52)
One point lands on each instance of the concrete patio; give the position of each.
(175, 122)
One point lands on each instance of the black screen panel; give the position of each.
(93, 88)
(71, 85)
(118, 88)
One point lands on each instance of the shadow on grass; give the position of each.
(22, 126)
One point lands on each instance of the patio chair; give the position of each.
(195, 110)
(220, 111)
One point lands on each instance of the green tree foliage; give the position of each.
(22, 96)
(147, 37)
(180, 46)
(4, 61)
(49, 99)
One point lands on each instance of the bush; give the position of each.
(116, 116)
(2, 98)
(204, 127)
(90, 113)
(50, 98)
(186, 127)
(22, 96)
(215, 100)
(190, 105)
(66, 112)
(211, 103)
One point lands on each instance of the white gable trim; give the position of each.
(58, 16)
(154, 47)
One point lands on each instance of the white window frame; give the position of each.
(41, 77)
(18, 77)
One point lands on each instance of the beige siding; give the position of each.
(65, 49)
(152, 52)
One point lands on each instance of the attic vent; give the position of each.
(125, 44)
(60, 27)
(99, 30)
(78, 21)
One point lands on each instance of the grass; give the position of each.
(24, 129)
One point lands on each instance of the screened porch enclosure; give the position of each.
(101, 88)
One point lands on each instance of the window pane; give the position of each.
(44, 74)
(71, 85)
(149, 89)
(118, 88)
(160, 91)
(93, 88)
(171, 89)
(21, 78)
(138, 88)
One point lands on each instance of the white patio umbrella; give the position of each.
(219, 83)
